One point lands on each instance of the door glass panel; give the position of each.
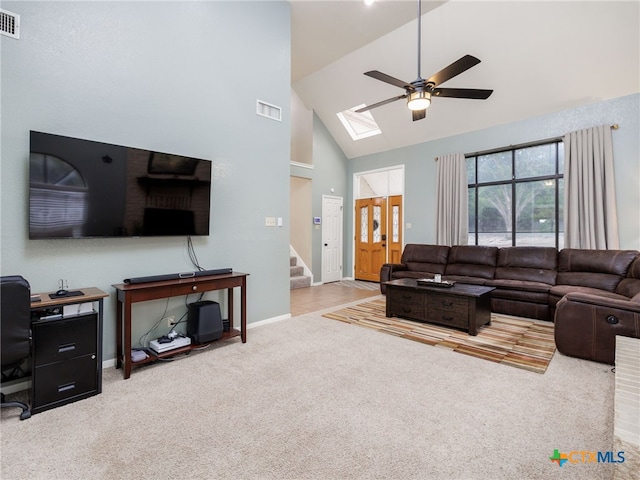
(396, 220)
(364, 224)
(377, 214)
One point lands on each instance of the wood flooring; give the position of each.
(312, 299)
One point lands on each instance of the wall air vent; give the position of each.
(267, 110)
(9, 24)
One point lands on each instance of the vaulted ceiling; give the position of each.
(538, 57)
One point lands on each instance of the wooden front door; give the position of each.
(371, 238)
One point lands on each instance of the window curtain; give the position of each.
(452, 210)
(591, 218)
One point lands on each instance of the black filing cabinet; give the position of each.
(66, 360)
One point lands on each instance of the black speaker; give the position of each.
(204, 322)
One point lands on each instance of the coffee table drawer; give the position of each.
(448, 310)
(448, 303)
(407, 304)
(447, 317)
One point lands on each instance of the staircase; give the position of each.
(297, 277)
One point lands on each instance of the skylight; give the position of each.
(359, 125)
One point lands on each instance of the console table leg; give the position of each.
(119, 334)
(126, 354)
(243, 312)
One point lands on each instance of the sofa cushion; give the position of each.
(410, 274)
(519, 308)
(465, 279)
(599, 269)
(536, 264)
(630, 286)
(535, 292)
(559, 291)
(425, 258)
(472, 261)
(530, 286)
(521, 295)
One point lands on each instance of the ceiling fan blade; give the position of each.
(379, 104)
(473, 93)
(456, 68)
(383, 77)
(418, 114)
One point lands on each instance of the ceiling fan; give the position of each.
(419, 92)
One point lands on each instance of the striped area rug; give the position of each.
(359, 284)
(515, 341)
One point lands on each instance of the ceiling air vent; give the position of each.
(9, 24)
(267, 110)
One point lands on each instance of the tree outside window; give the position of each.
(515, 196)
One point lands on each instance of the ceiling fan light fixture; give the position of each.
(419, 100)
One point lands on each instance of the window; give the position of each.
(359, 125)
(516, 196)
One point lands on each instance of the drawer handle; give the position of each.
(68, 386)
(194, 288)
(446, 304)
(66, 348)
(447, 319)
(406, 297)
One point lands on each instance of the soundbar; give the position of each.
(177, 276)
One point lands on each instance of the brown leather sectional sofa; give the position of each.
(591, 295)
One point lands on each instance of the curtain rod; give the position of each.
(614, 126)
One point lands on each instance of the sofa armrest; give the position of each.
(603, 302)
(386, 272)
(586, 325)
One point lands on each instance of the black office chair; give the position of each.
(15, 331)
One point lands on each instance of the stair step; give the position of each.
(299, 282)
(293, 261)
(296, 271)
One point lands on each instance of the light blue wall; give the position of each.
(174, 77)
(420, 167)
(329, 173)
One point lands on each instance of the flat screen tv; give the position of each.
(86, 189)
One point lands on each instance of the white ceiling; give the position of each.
(538, 57)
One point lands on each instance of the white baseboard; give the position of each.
(266, 321)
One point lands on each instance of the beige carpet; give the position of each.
(313, 398)
(509, 340)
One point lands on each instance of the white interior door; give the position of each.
(331, 239)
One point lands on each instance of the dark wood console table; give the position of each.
(142, 292)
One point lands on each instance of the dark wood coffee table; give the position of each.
(461, 306)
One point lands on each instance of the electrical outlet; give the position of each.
(171, 321)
